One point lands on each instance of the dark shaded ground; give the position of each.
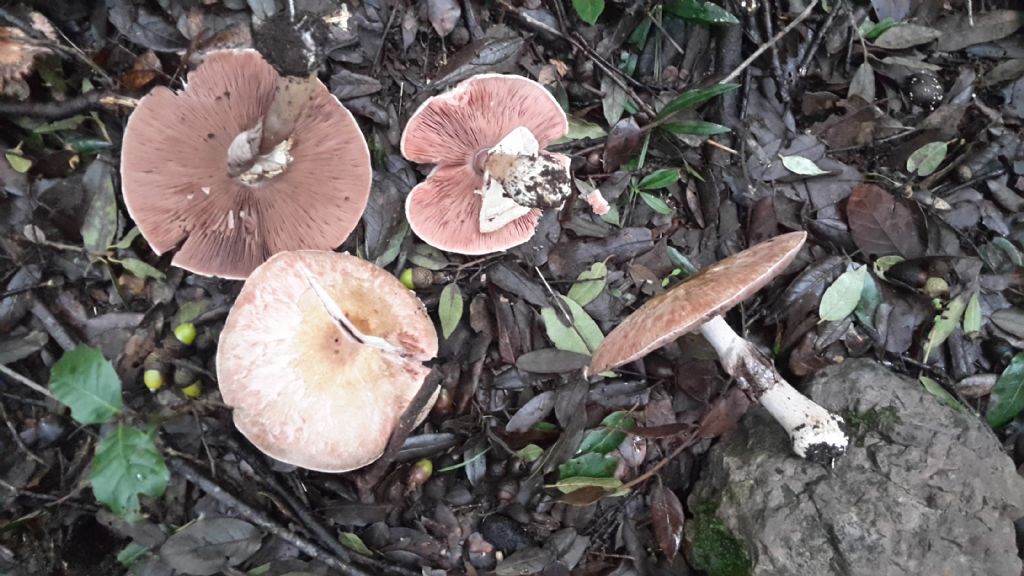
(857, 106)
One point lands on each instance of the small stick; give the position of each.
(52, 325)
(763, 47)
(25, 381)
(17, 437)
(70, 107)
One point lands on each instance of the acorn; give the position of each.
(419, 474)
(925, 90)
(183, 376)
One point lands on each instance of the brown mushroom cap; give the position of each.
(689, 304)
(302, 390)
(176, 183)
(451, 130)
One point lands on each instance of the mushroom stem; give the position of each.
(816, 433)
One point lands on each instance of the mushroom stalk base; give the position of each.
(816, 433)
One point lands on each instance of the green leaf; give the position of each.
(394, 246)
(692, 98)
(125, 242)
(189, 311)
(354, 543)
(100, 222)
(842, 297)
(1009, 249)
(450, 309)
(659, 179)
(529, 453)
(883, 264)
(127, 463)
(612, 217)
(580, 129)
(588, 10)
(927, 158)
(582, 335)
(589, 284)
(682, 262)
(656, 204)
(972, 316)
(700, 12)
(607, 438)
(871, 31)
(426, 256)
(86, 382)
(802, 166)
(944, 325)
(695, 128)
(591, 465)
(19, 163)
(1007, 399)
(573, 484)
(940, 393)
(870, 298)
(140, 269)
(130, 553)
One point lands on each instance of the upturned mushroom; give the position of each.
(697, 304)
(492, 175)
(242, 164)
(320, 356)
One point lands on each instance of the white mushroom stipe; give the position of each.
(816, 433)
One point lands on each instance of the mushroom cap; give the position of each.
(302, 390)
(178, 191)
(686, 306)
(450, 130)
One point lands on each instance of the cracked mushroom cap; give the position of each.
(303, 390)
(453, 130)
(687, 305)
(177, 186)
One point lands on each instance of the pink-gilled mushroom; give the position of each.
(320, 356)
(242, 164)
(697, 303)
(492, 175)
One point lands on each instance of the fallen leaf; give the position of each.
(552, 361)
(881, 225)
(927, 158)
(802, 166)
(940, 393)
(668, 520)
(1007, 399)
(449, 309)
(588, 10)
(209, 545)
(959, 32)
(945, 324)
(444, 15)
(589, 284)
(906, 36)
(531, 413)
(841, 298)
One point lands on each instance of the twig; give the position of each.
(475, 31)
(819, 35)
(53, 326)
(258, 518)
(17, 437)
(70, 107)
(763, 47)
(25, 381)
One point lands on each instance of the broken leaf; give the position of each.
(140, 269)
(608, 438)
(945, 324)
(589, 284)
(551, 361)
(802, 166)
(588, 10)
(582, 335)
(591, 465)
(354, 543)
(668, 520)
(100, 223)
(842, 297)
(927, 158)
(449, 308)
(18, 162)
(581, 129)
(572, 484)
(1007, 399)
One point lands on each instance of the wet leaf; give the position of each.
(86, 382)
(529, 453)
(140, 269)
(1007, 398)
(588, 10)
(531, 413)
(449, 308)
(659, 179)
(700, 12)
(972, 316)
(668, 520)
(582, 335)
(695, 128)
(354, 543)
(881, 225)
(209, 545)
(590, 465)
(126, 464)
(906, 36)
(945, 324)
(608, 438)
(927, 158)
(940, 393)
(802, 166)
(842, 297)
(692, 98)
(656, 203)
(589, 284)
(100, 223)
(569, 485)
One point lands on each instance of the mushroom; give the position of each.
(243, 164)
(320, 355)
(486, 138)
(697, 303)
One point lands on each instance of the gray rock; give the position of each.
(923, 489)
